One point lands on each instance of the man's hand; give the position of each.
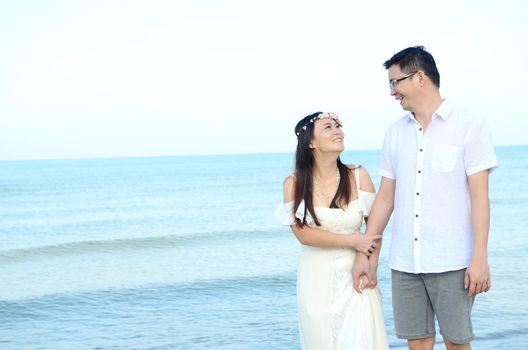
(361, 272)
(373, 273)
(477, 277)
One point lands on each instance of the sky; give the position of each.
(187, 77)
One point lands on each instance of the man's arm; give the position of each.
(477, 277)
(377, 221)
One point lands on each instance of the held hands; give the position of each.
(361, 273)
(477, 277)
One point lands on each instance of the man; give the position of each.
(434, 166)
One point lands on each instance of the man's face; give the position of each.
(402, 87)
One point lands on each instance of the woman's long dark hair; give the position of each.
(304, 162)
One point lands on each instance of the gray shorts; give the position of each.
(417, 298)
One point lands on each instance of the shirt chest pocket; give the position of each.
(445, 157)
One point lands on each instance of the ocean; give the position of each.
(184, 253)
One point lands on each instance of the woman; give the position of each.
(325, 203)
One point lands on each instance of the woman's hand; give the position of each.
(364, 244)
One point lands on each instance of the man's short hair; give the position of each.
(413, 59)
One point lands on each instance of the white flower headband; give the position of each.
(324, 115)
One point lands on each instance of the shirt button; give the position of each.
(417, 215)
(421, 149)
(417, 193)
(419, 171)
(420, 129)
(415, 238)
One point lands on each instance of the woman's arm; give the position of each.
(317, 237)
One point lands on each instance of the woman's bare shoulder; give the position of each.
(289, 180)
(288, 187)
(289, 183)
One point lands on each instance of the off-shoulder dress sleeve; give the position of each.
(284, 214)
(366, 200)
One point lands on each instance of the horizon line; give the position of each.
(196, 155)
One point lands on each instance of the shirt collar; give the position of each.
(443, 111)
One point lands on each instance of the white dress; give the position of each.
(332, 315)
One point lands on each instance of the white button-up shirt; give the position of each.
(431, 222)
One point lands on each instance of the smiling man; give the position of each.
(435, 165)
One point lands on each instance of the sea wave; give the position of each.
(127, 244)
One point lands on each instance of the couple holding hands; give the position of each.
(434, 169)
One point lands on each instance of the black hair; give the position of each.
(413, 59)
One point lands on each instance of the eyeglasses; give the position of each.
(394, 82)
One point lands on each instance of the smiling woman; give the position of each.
(325, 204)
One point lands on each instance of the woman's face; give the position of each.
(328, 135)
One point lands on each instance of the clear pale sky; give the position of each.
(151, 78)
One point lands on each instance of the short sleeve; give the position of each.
(366, 200)
(284, 214)
(479, 153)
(384, 166)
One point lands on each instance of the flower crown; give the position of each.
(324, 115)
